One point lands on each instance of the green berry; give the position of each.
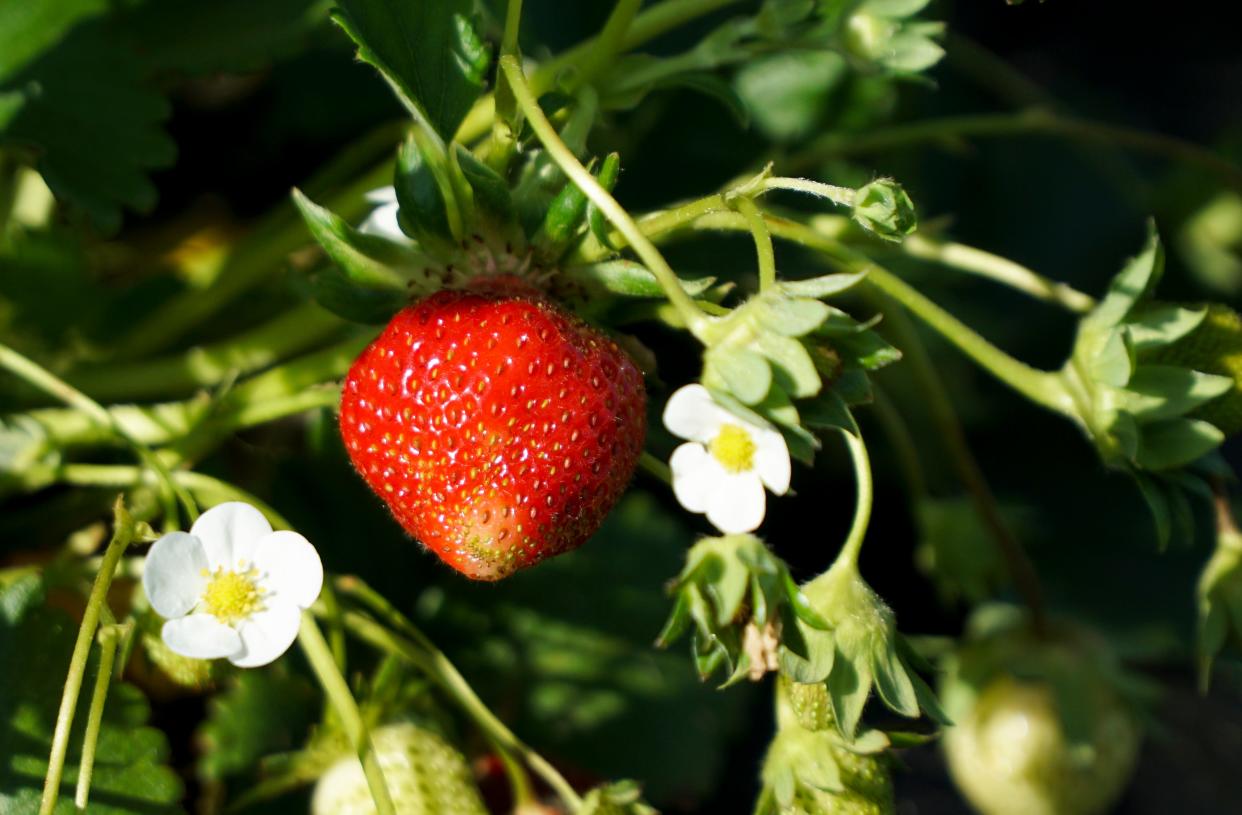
(811, 706)
(1215, 347)
(1009, 753)
(425, 775)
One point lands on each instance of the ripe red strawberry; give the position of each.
(498, 428)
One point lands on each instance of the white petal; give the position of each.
(771, 459)
(230, 532)
(382, 195)
(173, 575)
(383, 222)
(737, 503)
(692, 414)
(290, 568)
(695, 475)
(201, 636)
(267, 634)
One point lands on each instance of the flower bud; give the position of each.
(884, 209)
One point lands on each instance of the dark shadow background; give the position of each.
(1072, 211)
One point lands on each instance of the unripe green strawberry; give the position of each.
(424, 773)
(498, 428)
(810, 705)
(1010, 755)
(1215, 347)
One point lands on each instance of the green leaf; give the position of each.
(131, 774)
(215, 36)
(429, 52)
(29, 28)
(1165, 391)
(10, 103)
(744, 373)
(788, 93)
(94, 122)
(260, 712)
(1176, 442)
(791, 365)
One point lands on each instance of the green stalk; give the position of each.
(1001, 270)
(504, 120)
(763, 242)
(289, 333)
(659, 19)
(1036, 121)
(841, 196)
(254, 259)
(695, 319)
(655, 468)
(59, 389)
(1021, 570)
(863, 503)
(109, 639)
(608, 43)
(319, 655)
(422, 652)
(122, 535)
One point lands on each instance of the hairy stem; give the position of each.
(608, 43)
(694, 318)
(123, 531)
(319, 655)
(1021, 570)
(1036, 121)
(59, 389)
(109, 637)
(861, 462)
(420, 650)
(763, 241)
(1002, 270)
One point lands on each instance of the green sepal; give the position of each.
(818, 288)
(885, 210)
(792, 316)
(1164, 391)
(625, 278)
(424, 193)
(615, 798)
(372, 276)
(1156, 325)
(741, 372)
(609, 171)
(792, 367)
(493, 205)
(728, 585)
(1176, 442)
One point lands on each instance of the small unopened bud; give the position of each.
(883, 208)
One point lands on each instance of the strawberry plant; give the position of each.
(481, 406)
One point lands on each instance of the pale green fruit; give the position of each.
(425, 776)
(1009, 753)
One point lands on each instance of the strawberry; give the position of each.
(498, 428)
(425, 775)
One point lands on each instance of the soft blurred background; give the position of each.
(563, 652)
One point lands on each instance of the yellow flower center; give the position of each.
(232, 596)
(733, 448)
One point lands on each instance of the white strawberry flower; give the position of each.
(382, 219)
(231, 587)
(723, 469)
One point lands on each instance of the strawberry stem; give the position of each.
(848, 556)
(694, 318)
(763, 241)
(319, 655)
